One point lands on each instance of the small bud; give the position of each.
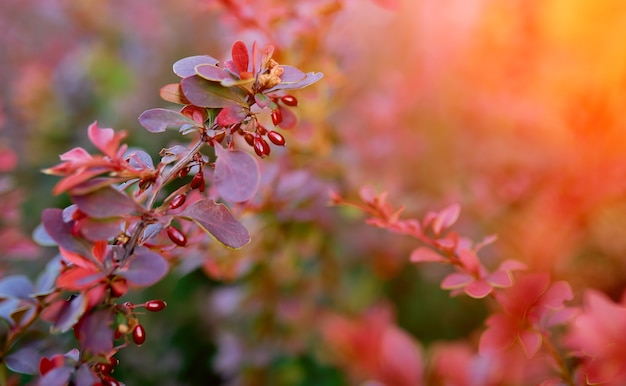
(289, 100)
(139, 335)
(176, 236)
(178, 201)
(155, 305)
(276, 138)
(277, 117)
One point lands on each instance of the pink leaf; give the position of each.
(240, 56)
(456, 280)
(478, 289)
(531, 342)
(498, 336)
(217, 220)
(446, 218)
(423, 254)
(500, 279)
(237, 175)
(77, 154)
(558, 292)
(400, 359)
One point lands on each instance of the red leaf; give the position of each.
(240, 56)
(217, 220)
(230, 115)
(237, 175)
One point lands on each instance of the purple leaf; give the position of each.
(59, 376)
(97, 229)
(145, 268)
(212, 73)
(106, 202)
(24, 361)
(70, 313)
(291, 75)
(217, 220)
(289, 118)
(95, 333)
(237, 176)
(204, 93)
(187, 66)
(158, 120)
(60, 231)
(84, 376)
(17, 287)
(311, 77)
(46, 282)
(7, 307)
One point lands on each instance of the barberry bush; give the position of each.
(251, 233)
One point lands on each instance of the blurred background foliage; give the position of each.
(511, 108)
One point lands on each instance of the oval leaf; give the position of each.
(18, 287)
(217, 220)
(70, 313)
(105, 203)
(239, 53)
(204, 93)
(212, 73)
(24, 361)
(187, 66)
(58, 376)
(95, 333)
(173, 93)
(311, 77)
(158, 120)
(60, 231)
(237, 175)
(145, 268)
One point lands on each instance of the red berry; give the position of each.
(109, 381)
(178, 201)
(276, 138)
(197, 182)
(155, 305)
(139, 335)
(176, 236)
(289, 100)
(277, 117)
(261, 148)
